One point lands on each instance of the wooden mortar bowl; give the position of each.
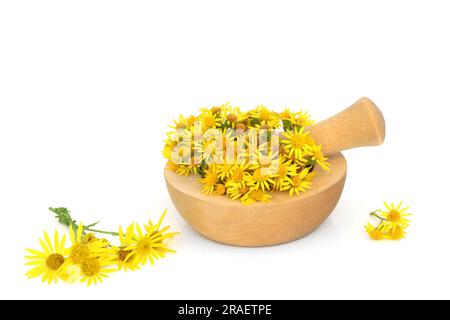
(284, 218)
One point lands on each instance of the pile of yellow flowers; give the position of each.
(245, 155)
(90, 259)
(392, 223)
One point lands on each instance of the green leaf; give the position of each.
(202, 168)
(254, 121)
(92, 224)
(287, 125)
(63, 216)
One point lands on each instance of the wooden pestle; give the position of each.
(360, 125)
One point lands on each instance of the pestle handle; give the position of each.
(360, 125)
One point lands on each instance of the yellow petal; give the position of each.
(79, 233)
(139, 230)
(56, 241)
(72, 234)
(62, 244)
(48, 241)
(35, 263)
(35, 272)
(160, 220)
(44, 247)
(121, 238)
(37, 253)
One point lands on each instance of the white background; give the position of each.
(88, 87)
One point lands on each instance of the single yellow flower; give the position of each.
(225, 171)
(151, 245)
(160, 236)
(167, 152)
(285, 170)
(259, 180)
(395, 215)
(255, 195)
(217, 110)
(210, 119)
(185, 170)
(207, 148)
(310, 176)
(239, 175)
(373, 232)
(266, 159)
(124, 255)
(49, 263)
(172, 166)
(265, 116)
(236, 190)
(303, 119)
(221, 189)
(317, 156)
(396, 233)
(295, 142)
(94, 269)
(287, 114)
(181, 123)
(82, 250)
(210, 180)
(298, 183)
(190, 121)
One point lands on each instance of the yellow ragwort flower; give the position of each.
(396, 233)
(150, 245)
(303, 119)
(210, 180)
(255, 195)
(94, 269)
(237, 153)
(49, 263)
(317, 156)
(261, 180)
(236, 191)
(298, 183)
(374, 232)
(395, 215)
(124, 255)
(221, 189)
(392, 223)
(82, 250)
(295, 142)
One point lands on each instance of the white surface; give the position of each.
(88, 87)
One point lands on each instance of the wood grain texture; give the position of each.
(261, 224)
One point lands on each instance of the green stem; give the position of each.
(101, 231)
(64, 218)
(377, 216)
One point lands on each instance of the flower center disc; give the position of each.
(123, 254)
(211, 179)
(297, 141)
(54, 261)
(257, 195)
(90, 267)
(394, 215)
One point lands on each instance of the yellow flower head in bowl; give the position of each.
(245, 155)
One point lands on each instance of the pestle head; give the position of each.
(360, 125)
